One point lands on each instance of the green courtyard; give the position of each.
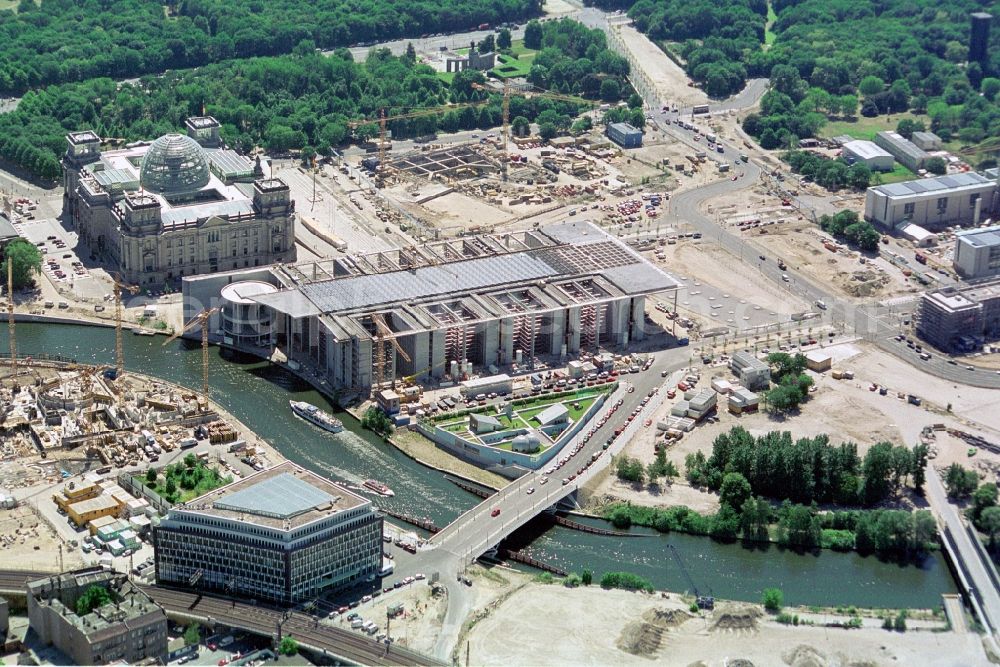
(523, 414)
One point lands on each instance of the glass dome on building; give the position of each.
(174, 163)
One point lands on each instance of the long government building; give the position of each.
(478, 301)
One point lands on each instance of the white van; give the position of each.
(821, 304)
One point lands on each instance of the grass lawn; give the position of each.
(898, 173)
(769, 36)
(865, 128)
(447, 77)
(200, 479)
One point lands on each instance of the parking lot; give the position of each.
(61, 263)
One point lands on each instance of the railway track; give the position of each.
(306, 629)
(17, 580)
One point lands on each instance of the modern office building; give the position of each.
(284, 534)
(176, 207)
(960, 319)
(977, 252)
(624, 135)
(454, 307)
(979, 37)
(932, 203)
(130, 628)
(869, 154)
(901, 148)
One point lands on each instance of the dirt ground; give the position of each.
(417, 446)
(699, 260)
(668, 78)
(27, 542)
(625, 628)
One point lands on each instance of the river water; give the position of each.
(257, 393)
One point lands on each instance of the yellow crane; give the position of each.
(527, 93)
(119, 349)
(383, 121)
(10, 317)
(201, 319)
(383, 333)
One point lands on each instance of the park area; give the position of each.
(184, 481)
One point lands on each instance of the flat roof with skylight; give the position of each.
(285, 496)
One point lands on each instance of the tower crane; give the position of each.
(10, 317)
(119, 350)
(524, 92)
(200, 319)
(383, 333)
(383, 121)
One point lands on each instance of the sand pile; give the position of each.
(736, 618)
(804, 655)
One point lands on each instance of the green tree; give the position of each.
(900, 623)
(877, 470)
(611, 90)
(920, 453)
(629, 470)
(190, 460)
(989, 523)
(521, 126)
(547, 131)
(908, 126)
(799, 527)
(487, 45)
(990, 87)
(983, 497)
(151, 476)
(374, 419)
(94, 597)
(735, 490)
(859, 176)
(533, 35)
(171, 488)
(871, 85)
(936, 165)
(587, 577)
(634, 101)
(621, 518)
(773, 599)
(503, 39)
(755, 516)
(192, 634)
(289, 646)
(25, 261)
(959, 481)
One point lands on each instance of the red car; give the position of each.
(495, 512)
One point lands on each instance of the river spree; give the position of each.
(257, 393)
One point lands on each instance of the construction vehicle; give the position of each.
(201, 319)
(119, 350)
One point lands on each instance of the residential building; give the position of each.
(284, 534)
(499, 384)
(977, 252)
(901, 148)
(129, 629)
(455, 307)
(176, 207)
(818, 361)
(869, 154)
(624, 135)
(743, 400)
(932, 203)
(480, 424)
(555, 414)
(752, 372)
(960, 318)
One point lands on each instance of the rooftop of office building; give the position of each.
(286, 496)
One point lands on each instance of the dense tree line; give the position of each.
(575, 59)
(836, 58)
(808, 469)
(73, 40)
(715, 37)
(282, 103)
